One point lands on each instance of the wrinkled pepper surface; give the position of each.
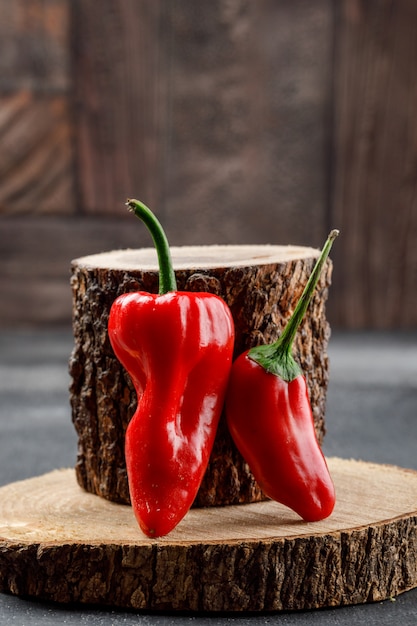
(177, 348)
(270, 418)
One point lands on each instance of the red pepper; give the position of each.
(177, 348)
(270, 419)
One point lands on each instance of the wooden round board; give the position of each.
(60, 543)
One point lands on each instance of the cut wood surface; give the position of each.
(260, 283)
(60, 543)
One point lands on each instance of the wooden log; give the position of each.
(59, 543)
(261, 284)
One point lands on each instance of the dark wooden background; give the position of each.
(237, 121)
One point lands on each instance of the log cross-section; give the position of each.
(260, 283)
(59, 543)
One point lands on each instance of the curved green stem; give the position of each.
(277, 358)
(167, 280)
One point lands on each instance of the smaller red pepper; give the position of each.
(270, 419)
(177, 348)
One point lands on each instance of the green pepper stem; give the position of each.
(167, 280)
(277, 358)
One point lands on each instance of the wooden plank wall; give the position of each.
(374, 195)
(237, 121)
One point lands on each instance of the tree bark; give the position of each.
(261, 284)
(59, 543)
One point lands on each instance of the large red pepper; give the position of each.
(177, 348)
(270, 419)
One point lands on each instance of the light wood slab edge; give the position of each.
(60, 543)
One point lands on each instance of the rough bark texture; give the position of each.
(60, 543)
(261, 293)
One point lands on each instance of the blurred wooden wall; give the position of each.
(236, 121)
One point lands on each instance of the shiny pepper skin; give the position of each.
(269, 416)
(177, 348)
(272, 425)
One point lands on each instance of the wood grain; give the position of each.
(35, 53)
(121, 102)
(239, 122)
(36, 132)
(36, 162)
(39, 250)
(260, 284)
(204, 114)
(375, 142)
(59, 543)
